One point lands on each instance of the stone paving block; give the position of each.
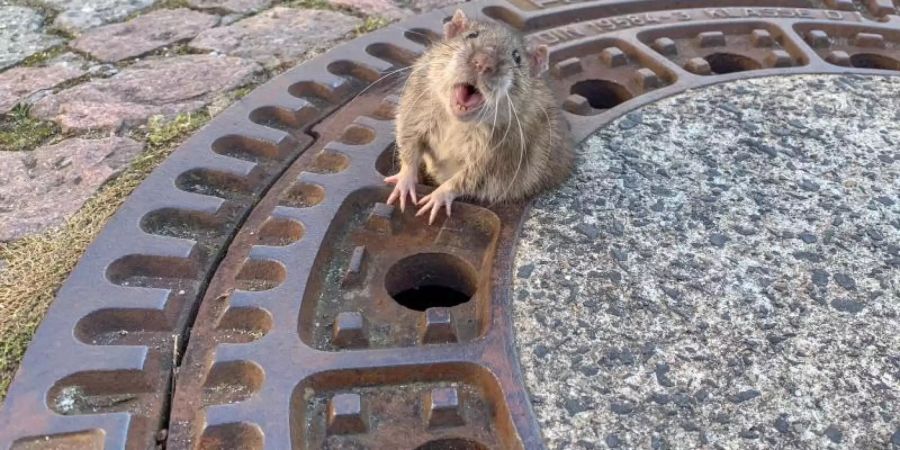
(380, 8)
(42, 188)
(280, 36)
(167, 86)
(21, 35)
(20, 83)
(232, 6)
(144, 34)
(78, 15)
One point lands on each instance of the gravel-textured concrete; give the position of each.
(723, 269)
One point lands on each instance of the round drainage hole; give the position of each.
(601, 94)
(721, 63)
(873, 61)
(451, 444)
(431, 280)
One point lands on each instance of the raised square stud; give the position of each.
(711, 39)
(381, 218)
(613, 57)
(436, 326)
(818, 39)
(345, 414)
(577, 104)
(839, 58)
(355, 268)
(647, 79)
(872, 40)
(762, 38)
(698, 66)
(567, 67)
(442, 408)
(779, 58)
(666, 46)
(349, 331)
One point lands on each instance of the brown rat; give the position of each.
(479, 116)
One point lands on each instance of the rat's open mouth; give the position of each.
(466, 99)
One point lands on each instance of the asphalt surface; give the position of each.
(723, 271)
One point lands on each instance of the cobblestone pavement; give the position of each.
(723, 272)
(98, 69)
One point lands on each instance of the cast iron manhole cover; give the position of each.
(255, 292)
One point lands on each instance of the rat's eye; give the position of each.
(472, 35)
(516, 57)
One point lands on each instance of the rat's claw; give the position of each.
(434, 211)
(403, 185)
(398, 193)
(433, 203)
(393, 196)
(402, 199)
(428, 204)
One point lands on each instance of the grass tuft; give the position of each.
(20, 132)
(162, 133)
(32, 269)
(309, 4)
(242, 92)
(370, 24)
(173, 4)
(40, 58)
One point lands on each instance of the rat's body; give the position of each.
(477, 115)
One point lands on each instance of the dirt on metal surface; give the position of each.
(258, 275)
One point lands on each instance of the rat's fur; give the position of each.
(516, 146)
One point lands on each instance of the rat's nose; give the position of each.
(483, 63)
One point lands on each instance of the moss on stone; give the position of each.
(20, 132)
(371, 23)
(161, 132)
(309, 4)
(41, 58)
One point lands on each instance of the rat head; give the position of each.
(486, 62)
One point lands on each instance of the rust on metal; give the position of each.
(255, 292)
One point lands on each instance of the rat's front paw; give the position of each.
(434, 201)
(404, 185)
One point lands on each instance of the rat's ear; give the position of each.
(539, 58)
(456, 25)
